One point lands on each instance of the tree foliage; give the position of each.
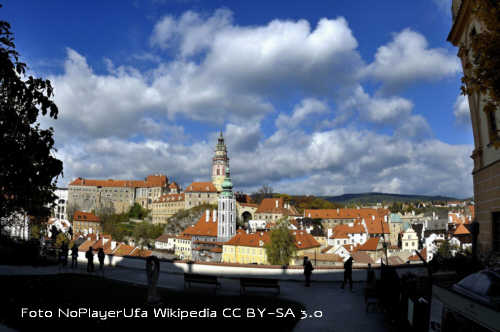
(281, 249)
(482, 73)
(145, 234)
(137, 211)
(29, 170)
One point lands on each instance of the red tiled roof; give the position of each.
(86, 245)
(123, 250)
(304, 240)
(141, 253)
(361, 257)
(169, 198)
(268, 205)
(345, 213)
(150, 181)
(370, 245)
(326, 249)
(85, 216)
(204, 187)
(173, 185)
(324, 257)
(164, 237)
(461, 230)
(415, 257)
(203, 227)
(250, 239)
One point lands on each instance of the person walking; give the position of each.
(308, 268)
(90, 260)
(64, 254)
(100, 256)
(347, 273)
(74, 257)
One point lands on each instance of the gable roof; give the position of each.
(304, 240)
(203, 227)
(150, 181)
(370, 245)
(345, 213)
(123, 250)
(164, 237)
(85, 216)
(258, 239)
(204, 187)
(461, 230)
(272, 205)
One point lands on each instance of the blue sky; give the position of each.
(314, 97)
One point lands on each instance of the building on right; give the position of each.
(486, 129)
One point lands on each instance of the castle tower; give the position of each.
(219, 163)
(226, 227)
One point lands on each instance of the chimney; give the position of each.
(385, 218)
(373, 218)
(357, 207)
(214, 215)
(207, 215)
(113, 245)
(277, 201)
(338, 211)
(247, 230)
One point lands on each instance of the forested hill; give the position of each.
(366, 198)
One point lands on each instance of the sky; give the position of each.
(313, 97)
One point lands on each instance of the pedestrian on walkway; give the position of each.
(90, 260)
(64, 254)
(74, 257)
(308, 268)
(347, 273)
(100, 256)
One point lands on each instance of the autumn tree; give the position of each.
(281, 247)
(29, 170)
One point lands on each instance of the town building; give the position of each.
(272, 209)
(409, 240)
(166, 206)
(486, 131)
(198, 193)
(86, 223)
(91, 195)
(59, 210)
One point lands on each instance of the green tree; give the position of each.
(144, 234)
(29, 170)
(137, 211)
(281, 249)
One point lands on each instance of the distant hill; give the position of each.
(366, 198)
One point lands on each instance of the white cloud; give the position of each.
(461, 110)
(122, 123)
(302, 113)
(408, 59)
(379, 110)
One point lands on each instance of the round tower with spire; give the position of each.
(220, 162)
(226, 210)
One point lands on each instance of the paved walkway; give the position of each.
(341, 309)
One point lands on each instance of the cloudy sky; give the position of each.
(313, 97)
